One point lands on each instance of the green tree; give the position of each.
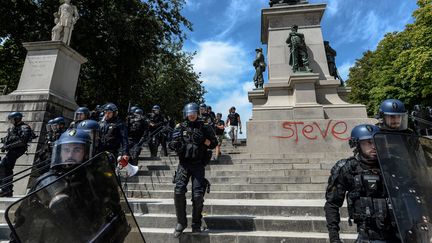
(400, 67)
(126, 43)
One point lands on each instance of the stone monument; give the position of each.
(46, 88)
(299, 112)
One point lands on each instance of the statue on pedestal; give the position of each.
(260, 66)
(299, 59)
(331, 61)
(289, 2)
(65, 19)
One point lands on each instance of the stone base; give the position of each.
(37, 111)
(50, 67)
(301, 136)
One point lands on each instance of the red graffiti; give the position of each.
(313, 131)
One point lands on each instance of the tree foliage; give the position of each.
(400, 67)
(133, 49)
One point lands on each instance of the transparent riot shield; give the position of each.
(406, 164)
(86, 204)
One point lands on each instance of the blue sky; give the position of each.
(226, 33)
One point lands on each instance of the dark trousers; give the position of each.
(183, 173)
(7, 165)
(135, 151)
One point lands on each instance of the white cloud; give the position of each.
(332, 7)
(344, 69)
(220, 63)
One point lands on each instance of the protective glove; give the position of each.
(198, 137)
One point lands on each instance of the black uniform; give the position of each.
(158, 121)
(188, 142)
(368, 203)
(114, 136)
(15, 143)
(138, 132)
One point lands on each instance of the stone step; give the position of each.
(247, 223)
(239, 187)
(229, 180)
(157, 235)
(232, 194)
(251, 167)
(229, 161)
(242, 173)
(311, 207)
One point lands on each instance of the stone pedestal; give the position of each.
(299, 112)
(50, 67)
(46, 90)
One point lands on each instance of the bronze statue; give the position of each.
(260, 66)
(299, 59)
(331, 61)
(289, 2)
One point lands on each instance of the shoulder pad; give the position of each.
(344, 165)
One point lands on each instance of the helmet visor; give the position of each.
(79, 116)
(70, 154)
(395, 121)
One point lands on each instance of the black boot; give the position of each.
(197, 208)
(180, 206)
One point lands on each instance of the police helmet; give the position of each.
(132, 109)
(81, 113)
(49, 125)
(202, 105)
(111, 107)
(138, 111)
(92, 128)
(71, 149)
(15, 117)
(362, 132)
(393, 115)
(57, 122)
(191, 108)
(219, 115)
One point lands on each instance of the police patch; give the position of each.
(394, 105)
(72, 132)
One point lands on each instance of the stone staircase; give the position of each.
(253, 198)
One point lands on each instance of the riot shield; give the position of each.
(406, 164)
(86, 204)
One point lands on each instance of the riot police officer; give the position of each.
(393, 116)
(113, 132)
(15, 143)
(205, 116)
(81, 114)
(79, 207)
(57, 127)
(360, 178)
(92, 128)
(156, 121)
(137, 131)
(191, 139)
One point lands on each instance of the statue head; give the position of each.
(294, 28)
